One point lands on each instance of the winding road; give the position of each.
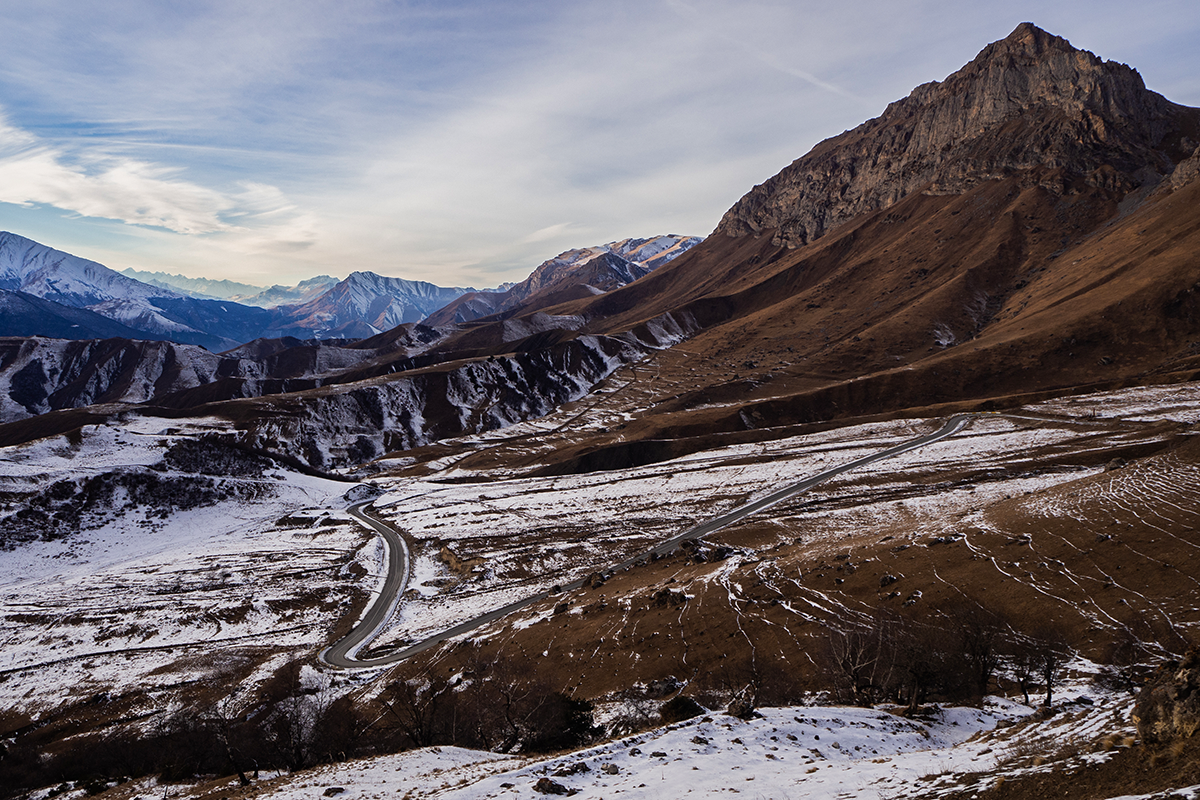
(344, 653)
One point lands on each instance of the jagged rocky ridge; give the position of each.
(1028, 101)
(344, 423)
(39, 374)
(347, 425)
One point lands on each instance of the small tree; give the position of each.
(1052, 654)
(1124, 657)
(416, 709)
(292, 728)
(928, 662)
(1023, 664)
(980, 634)
(861, 659)
(1040, 654)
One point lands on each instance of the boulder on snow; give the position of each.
(547, 786)
(574, 769)
(679, 708)
(742, 705)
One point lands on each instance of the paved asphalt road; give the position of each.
(343, 653)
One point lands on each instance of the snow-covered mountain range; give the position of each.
(39, 271)
(365, 304)
(588, 270)
(51, 293)
(279, 295)
(244, 293)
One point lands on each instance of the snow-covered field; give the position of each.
(161, 591)
(799, 751)
(135, 598)
(512, 538)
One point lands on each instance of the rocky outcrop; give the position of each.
(1187, 171)
(338, 426)
(1028, 101)
(1168, 707)
(39, 374)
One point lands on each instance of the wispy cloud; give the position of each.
(752, 47)
(128, 190)
(253, 219)
(548, 233)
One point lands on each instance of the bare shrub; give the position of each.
(860, 659)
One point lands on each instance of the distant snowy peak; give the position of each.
(32, 268)
(366, 303)
(204, 288)
(244, 293)
(587, 269)
(624, 261)
(402, 287)
(653, 253)
(279, 295)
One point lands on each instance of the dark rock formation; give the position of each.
(679, 708)
(1168, 707)
(743, 704)
(547, 786)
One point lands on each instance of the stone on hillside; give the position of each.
(547, 786)
(1168, 706)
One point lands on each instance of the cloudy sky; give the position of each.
(463, 141)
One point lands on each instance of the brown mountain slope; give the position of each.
(1025, 226)
(940, 299)
(1029, 108)
(1067, 263)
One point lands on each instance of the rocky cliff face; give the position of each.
(38, 374)
(1168, 707)
(1028, 102)
(347, 425)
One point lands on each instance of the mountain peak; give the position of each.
(1027, 102)
(1029, 38)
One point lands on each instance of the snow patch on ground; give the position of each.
(798, 751)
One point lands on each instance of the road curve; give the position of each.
(343, 653)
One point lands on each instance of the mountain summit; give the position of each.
(1028, 101)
